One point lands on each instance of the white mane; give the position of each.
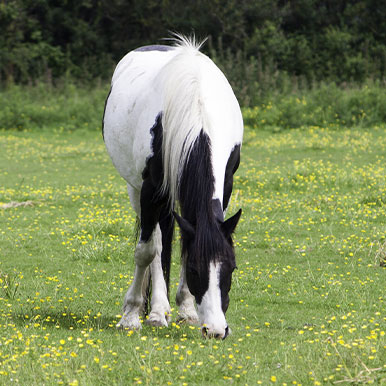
(180, 40)
(184, 115)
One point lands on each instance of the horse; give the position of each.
(173, 129)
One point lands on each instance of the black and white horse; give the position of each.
(173, 129)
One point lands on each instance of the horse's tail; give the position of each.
(183, 112)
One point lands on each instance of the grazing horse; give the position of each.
(173, 129)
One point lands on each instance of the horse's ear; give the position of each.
(185, 226)
(229, 226)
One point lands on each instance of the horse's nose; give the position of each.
(215, 333)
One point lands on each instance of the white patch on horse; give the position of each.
(211, 316)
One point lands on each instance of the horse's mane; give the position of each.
(183, 115)
(180, 40)
(188, 131)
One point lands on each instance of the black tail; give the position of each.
(167, 228)
(166, 224)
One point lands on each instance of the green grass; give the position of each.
(307, 301)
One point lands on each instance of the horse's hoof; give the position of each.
(129, 324)
(192, 321)
(157, 320)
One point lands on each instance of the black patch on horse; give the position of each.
(154, 208)
(154, 163)
(232, 165)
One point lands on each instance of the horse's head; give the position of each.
(209, 277)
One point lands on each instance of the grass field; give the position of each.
(308, 301)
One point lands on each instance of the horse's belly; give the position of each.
(127, 135)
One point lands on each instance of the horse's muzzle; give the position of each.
(207, 333)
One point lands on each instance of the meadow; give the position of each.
(308, 300)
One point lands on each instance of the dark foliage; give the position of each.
(340, 41)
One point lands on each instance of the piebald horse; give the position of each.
(173, 129)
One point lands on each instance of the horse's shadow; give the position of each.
(76, 321)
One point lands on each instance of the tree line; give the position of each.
(316, 40)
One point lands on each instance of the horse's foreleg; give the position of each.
(148, 252)
(145, 253)
(160, 273)
(160, 308)
(185, 300)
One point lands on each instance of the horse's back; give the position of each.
(131, 109)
